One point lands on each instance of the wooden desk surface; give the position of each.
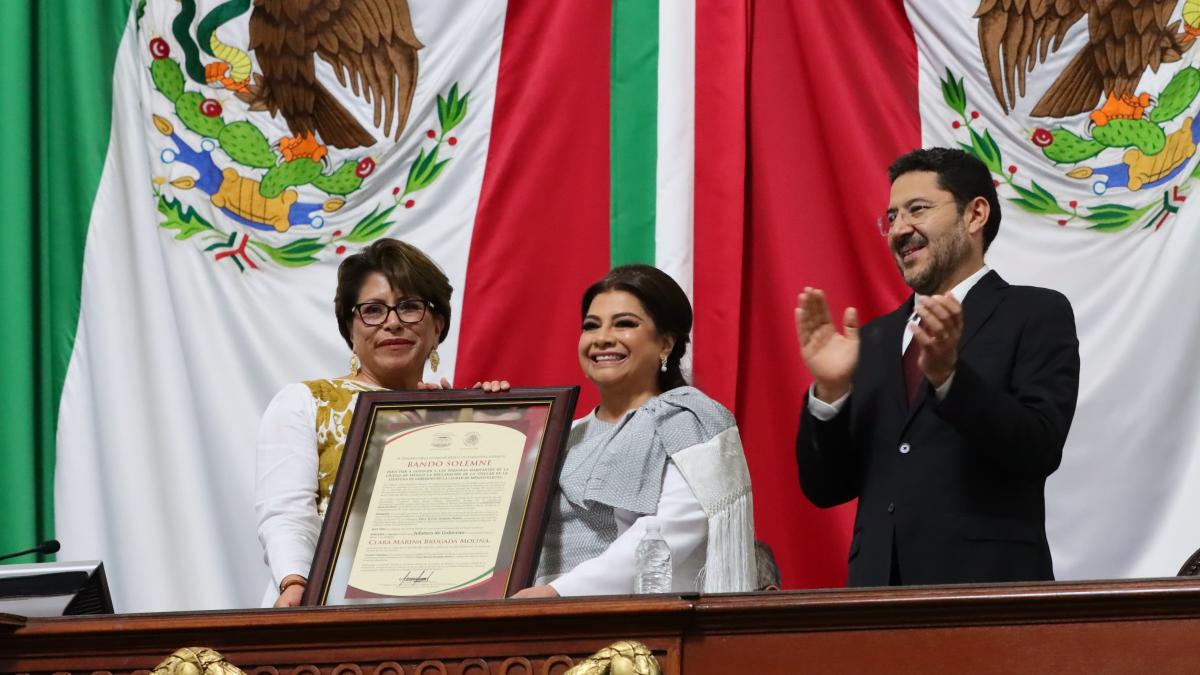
(1084, 627)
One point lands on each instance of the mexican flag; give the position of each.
(1088, 115)
(177, 233)
(525, 147)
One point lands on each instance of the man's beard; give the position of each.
(945, 255)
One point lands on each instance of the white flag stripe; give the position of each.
(177, 354)
(675, 175)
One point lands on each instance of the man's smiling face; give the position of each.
(929, 234)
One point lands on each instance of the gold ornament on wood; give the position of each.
(620, 658)
(196, 661)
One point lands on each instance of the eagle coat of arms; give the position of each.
(1123, 152)
(262, 104)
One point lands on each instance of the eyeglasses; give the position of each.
(409, 310)
(914, 214)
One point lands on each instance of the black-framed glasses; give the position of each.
(916, 213)
(408, 310)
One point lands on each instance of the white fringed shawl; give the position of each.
(717, 473)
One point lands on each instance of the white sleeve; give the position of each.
(684, 527)
(941, 391)
(285, 487)
(822, 410)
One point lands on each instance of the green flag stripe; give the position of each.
(634, 131)
(18, 465)
(58, 57)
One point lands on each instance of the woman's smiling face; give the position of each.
(393, 353)
(619, 345)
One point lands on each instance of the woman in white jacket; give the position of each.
(654, 448)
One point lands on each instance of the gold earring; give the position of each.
(355, 364)
(434, 360)
(663, 369)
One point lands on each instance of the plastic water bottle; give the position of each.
(653, 562)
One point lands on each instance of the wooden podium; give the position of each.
(1143, 626)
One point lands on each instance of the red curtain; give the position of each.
(832, 101)
(800, 107)
(541, 231)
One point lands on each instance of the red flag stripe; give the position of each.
(833, 99)
(541, 233)
(720, 178)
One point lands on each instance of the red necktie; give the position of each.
(912, 369)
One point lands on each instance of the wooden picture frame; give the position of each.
(432, 486)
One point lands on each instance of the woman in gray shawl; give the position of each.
(654, 448)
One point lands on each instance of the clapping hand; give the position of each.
(938, 333)
(830, 356)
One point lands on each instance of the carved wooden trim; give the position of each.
(430, 668)
(476, 667)
(506, 666)
(513, 665)
(556, 665)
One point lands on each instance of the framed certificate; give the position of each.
(441, 495)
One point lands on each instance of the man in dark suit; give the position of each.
(944, 417)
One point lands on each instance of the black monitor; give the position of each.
(54, 589)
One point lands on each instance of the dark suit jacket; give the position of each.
(954, 488)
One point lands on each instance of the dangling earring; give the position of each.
(434, 360)
(663, 369)
(355, 364)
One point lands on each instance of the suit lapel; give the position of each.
(983, 299)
